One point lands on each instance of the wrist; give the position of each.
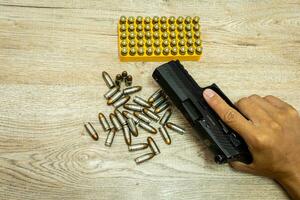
(291, 183)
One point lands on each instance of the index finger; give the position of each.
(229, 115)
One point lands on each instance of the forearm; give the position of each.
(292, 186)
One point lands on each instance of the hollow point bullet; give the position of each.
(132, 127)
(151, 114)
(132, 89)
(110, 137)
(133, 107)
(166, 117)
(121, 101)
(115, 97)
(144, 158)
(107, 79)
(91, 130)
(164, 134)
(111, 92)
(137, 147)
(147, 127)
(142, 117)
(140, 101)
(153, 146)
(103, 121)
(158, 93)
(127, 135)
(115, 122)
(120, 117)
(175, 128)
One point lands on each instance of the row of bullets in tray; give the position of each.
(141, 117)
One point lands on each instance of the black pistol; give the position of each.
(187, 96)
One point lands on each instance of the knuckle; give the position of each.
(260, 142)
(254, 97)
(229, 116)
(292, 111)
(242, 101)
(275, 126)
(268, 97)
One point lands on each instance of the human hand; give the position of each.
(272, 133)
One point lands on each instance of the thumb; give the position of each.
(228, 114)
(243, 167)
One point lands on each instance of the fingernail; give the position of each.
(208, 93)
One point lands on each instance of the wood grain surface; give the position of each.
(52, 54)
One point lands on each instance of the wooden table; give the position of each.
(52, 54)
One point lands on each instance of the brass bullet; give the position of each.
(140, 101)
(179, 20)
(172, 20)
(155, 35)
(147, 127)
(158, 93)
(131, 20)
(131, 36)
(174, 51)
(140, 36)
(115, 122)
(103, 121)
(163, 27)
(155, 27)
(132, 127)
(182, 50)
(180, 35)
(132, 51)
(190, 42)
(157, 51)
(107, 79)
(172, 35)
(191, 50)
(165, 43)
(141, 51)
(147, 27)
(172, 27)
(131, 28)
(123, 43)
(153, 146)
(139, 27)
(120, 117)
(132, 89)
(122, 19)
(166, 51)
(123, 27)
(148, 35)
(188, 27)
(115, 97)
(91, 130)
(163, 19)
(164, 35)
(151, 114)
(180, 27)
(127, 135)
(197, 35)
(137, 147)
(139, 19)
(128, 80)
(144, 158)
(164, 134)
(147, 20)
(173, 43)
(149, 51)
(199, 50)
(162, 107)
(155, 19)
(110, 137)
(142, 117)
(129, 115)
(198, 42)
(189, 34)
(121, 101)
(140, 43)
(156, 43)
(111, 92)
(132, 43)
(133, 107)
(124, 51)
(166, 117)
(158, 101)
(123, 35)
(196, 20)
(148, 43)
(175, 128)
(196, 27)
(188, 20)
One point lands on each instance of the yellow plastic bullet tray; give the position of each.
(159, 38)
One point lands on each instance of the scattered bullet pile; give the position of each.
(159, 38)
(139, 114)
